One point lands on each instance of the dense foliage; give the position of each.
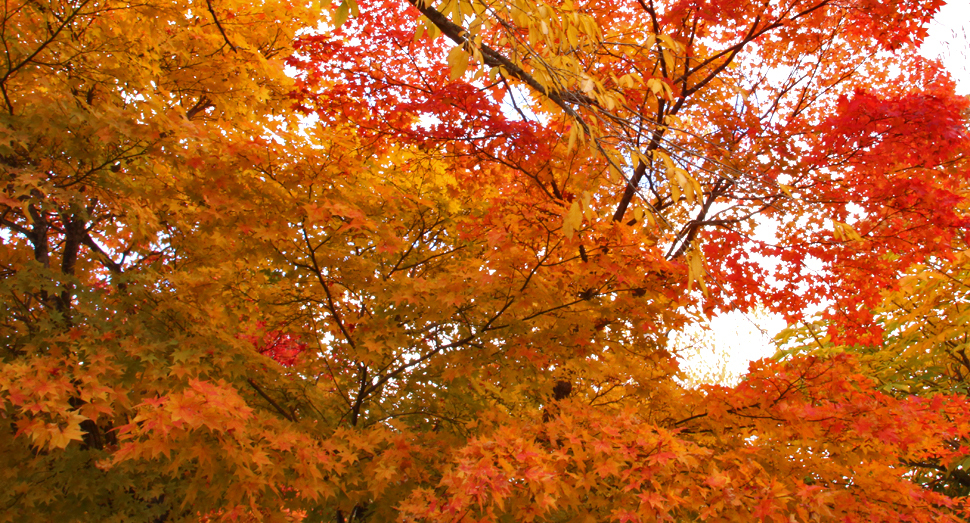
(420, 261)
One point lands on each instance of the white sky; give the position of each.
(949, 40)
(735, 339)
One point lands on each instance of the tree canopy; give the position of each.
(420, 261)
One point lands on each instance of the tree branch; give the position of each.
(215, 19)
(270, 400)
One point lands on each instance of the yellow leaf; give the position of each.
(668, 59)
(458, 61)
(666, 159)
(60, 438)
(573, 132)
(837, 231)
(343, 12)
(668, 42)
(695, 269)
(685, 185)
(844, 232)
(573, 219)
(572, 36)
(675, 192)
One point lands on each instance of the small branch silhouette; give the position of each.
(215, 18)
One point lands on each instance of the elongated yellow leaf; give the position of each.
(573, 219)
(343, 12)
(458, 61)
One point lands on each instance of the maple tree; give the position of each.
(420, 261)
(922, 353)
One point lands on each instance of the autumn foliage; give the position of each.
(420, 261)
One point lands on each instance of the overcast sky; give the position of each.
(949, 40)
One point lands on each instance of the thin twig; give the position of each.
(215, 19)
(270, 400)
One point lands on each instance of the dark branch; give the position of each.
(215, 19)
(270, 400)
